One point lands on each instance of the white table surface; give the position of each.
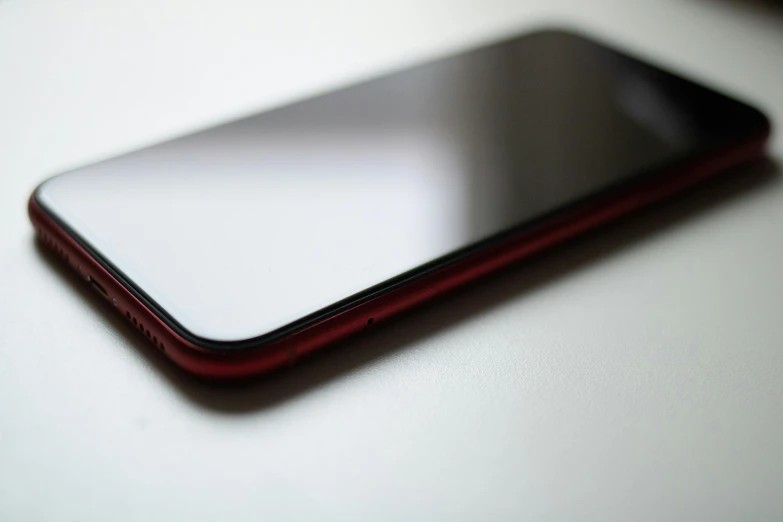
(635, 375)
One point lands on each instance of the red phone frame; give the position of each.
(243, 363)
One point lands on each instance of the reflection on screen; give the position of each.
(242, 229)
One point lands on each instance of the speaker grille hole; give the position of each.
(152, 338)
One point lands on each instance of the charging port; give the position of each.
(98, 288)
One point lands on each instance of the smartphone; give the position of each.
(242, 248)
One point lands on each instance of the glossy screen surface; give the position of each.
(240, 230)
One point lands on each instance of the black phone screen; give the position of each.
(240, 230)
